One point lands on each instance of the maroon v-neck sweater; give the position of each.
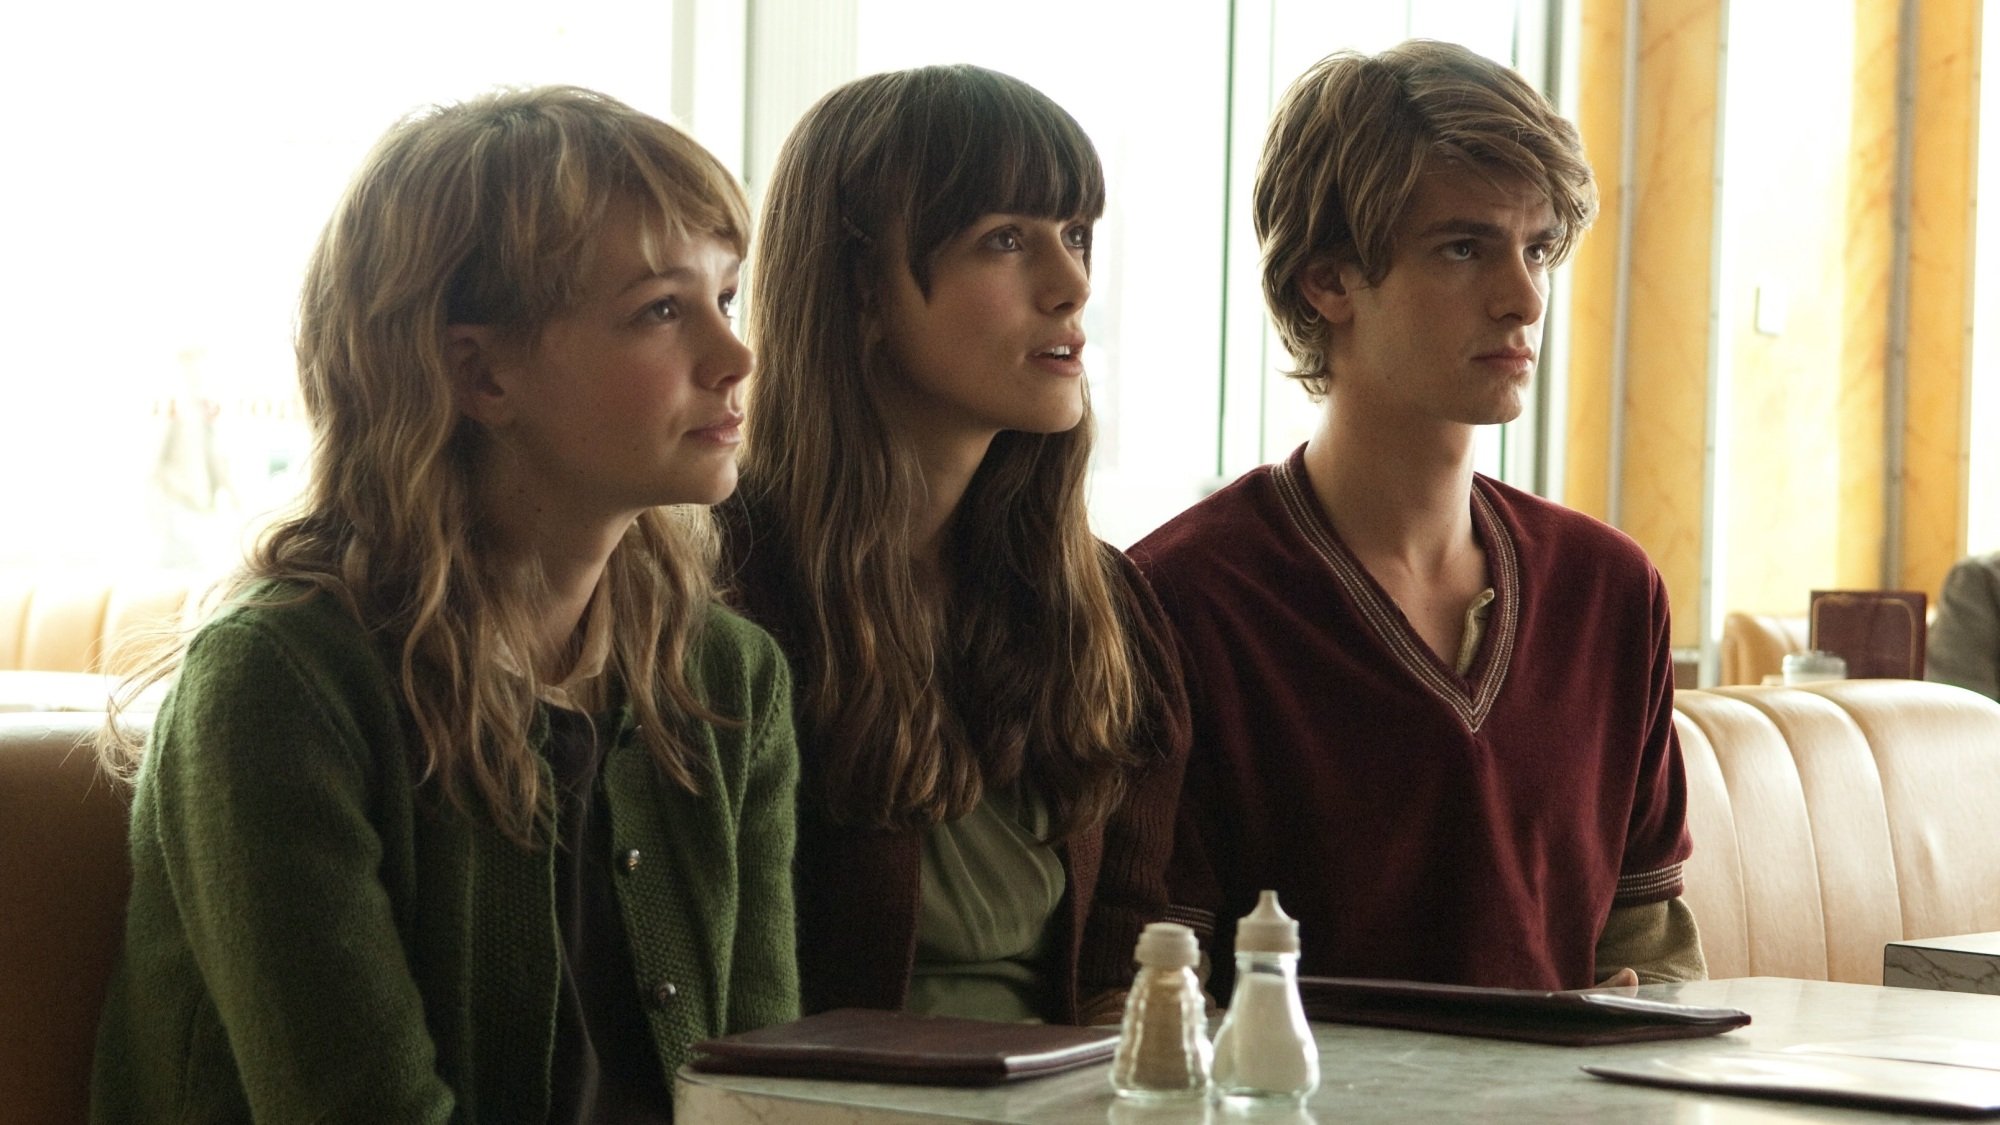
(1421, 825)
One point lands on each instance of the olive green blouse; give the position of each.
(989, 889)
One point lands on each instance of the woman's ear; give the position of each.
(471, 353)
(1326, 285)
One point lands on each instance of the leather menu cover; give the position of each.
(1880, 633)
(1896, 1084)
(1570, 1019)
(879, 1046)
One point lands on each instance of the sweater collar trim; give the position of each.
(1469, 697)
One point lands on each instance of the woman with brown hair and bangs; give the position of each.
(472, 803)
(992, 727)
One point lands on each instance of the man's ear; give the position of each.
(472, 353)
(1323, 287)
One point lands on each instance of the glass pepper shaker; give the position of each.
(1163, 1049)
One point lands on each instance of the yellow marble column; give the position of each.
(1593, 271)
(1944, 160)
(1868, 248)
(1800, 399)
(1668, 331)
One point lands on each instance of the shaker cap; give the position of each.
(1167, 945)
(1267, 929)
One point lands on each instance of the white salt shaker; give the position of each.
(1163, 1050)
(1265, 1050)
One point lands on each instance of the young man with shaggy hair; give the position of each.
(1434, 712)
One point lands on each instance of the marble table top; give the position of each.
(1382, 1075)
(1965, 963)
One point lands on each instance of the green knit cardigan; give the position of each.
(311, 936)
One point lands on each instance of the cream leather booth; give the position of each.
(63, 878)
(1830, 819)
(67, 623)
(1754, 645)
(1827, 821)
(62, 636)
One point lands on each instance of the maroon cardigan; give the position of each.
(856, 888)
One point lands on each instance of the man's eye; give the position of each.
(727, 303)
(1458, 251)
(1538, 254)
(664, 309)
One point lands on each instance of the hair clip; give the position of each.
(855, 232)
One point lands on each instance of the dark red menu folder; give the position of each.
(1880, 633)
(876, 1046)
(1570, 1019)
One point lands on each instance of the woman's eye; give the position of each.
(1004, 239)
(1077, 237)
(663, 310)
(727, 303)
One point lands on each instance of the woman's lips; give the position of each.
(724, 431)
(1060, 357)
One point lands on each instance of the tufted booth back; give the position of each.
(1831, 819)
(1754, 645)
(64, 874)
(1828, 820)
(59, 623)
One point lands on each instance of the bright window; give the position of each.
(1179, 122)
(1159, 120)
(1268, 414)
(199, 147)
(171, 168)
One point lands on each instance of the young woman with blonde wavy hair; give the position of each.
(991, 724)
(471, 803)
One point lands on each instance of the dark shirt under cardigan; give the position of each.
(602, 1067)
(1421, 824)
(857, 887)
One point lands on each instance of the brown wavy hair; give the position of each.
(1351, 138)
(1025, 669)
(482, 212)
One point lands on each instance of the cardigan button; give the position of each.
(632, 858)
(664, 993)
